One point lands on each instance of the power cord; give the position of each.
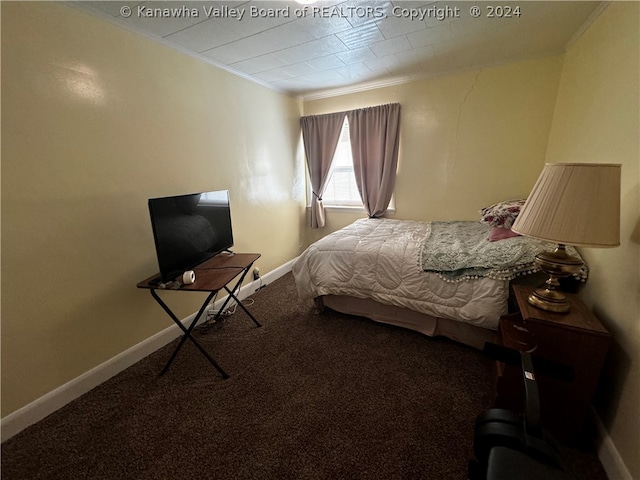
(217, 318)
(232, 309)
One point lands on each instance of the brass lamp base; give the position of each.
(549, 300)
(557, 264)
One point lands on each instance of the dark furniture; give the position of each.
(576, 340)
(506, 464)
(212, 276)
(507, 445)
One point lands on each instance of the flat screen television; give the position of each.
(189, 229)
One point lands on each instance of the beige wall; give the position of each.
(95, 120)
(466, 141)
(596, 120)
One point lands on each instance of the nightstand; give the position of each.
(576, 339)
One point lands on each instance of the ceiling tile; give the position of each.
(382, 63)
(298, 69)
(204, 36)
(355, 71)
(269, 41)
(273, 75)
(430, 35)
(361, 36)
(310, 50)
(357, 55)
(335, 43)
(415, 56)
(321, 27)
(258, 64)
(393, 45)
(326, 63)
(394, 26)
(144, 17)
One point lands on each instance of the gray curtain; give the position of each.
(374, 135)
(320, 134)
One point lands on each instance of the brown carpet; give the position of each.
(309, 397)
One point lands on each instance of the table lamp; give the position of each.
(571, 204)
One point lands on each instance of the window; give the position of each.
(341, 187)
(376, 138)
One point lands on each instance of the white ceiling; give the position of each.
(334, 45)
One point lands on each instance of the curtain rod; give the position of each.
(354, 110)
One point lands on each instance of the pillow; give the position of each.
(499, 233)
(502, 214)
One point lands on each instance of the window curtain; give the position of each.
(374, 136)
(320, 134)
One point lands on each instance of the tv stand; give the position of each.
(212, 275)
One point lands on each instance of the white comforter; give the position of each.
(380, 259)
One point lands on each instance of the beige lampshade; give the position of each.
(574, 204)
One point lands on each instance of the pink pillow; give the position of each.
(499, 233)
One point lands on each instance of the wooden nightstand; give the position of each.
(576, 339)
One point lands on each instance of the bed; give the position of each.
(438, 278)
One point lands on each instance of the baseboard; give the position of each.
(608, 454)
(35, 411)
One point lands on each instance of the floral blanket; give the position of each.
(458, 251)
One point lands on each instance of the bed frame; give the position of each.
(431, 326)
(403, 317)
